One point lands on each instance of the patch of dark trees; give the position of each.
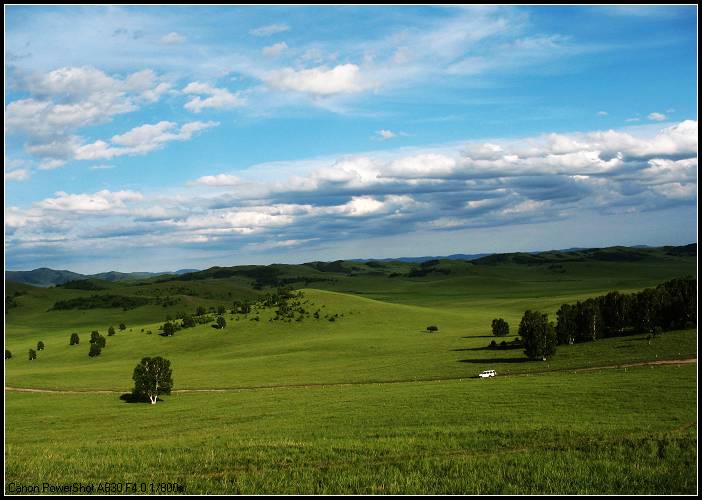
(82, 285)
(101, 301)
(669, 306)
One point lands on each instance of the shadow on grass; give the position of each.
(488, 348)
(494, 360)
(128, 397)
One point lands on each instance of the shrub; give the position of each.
(110, 331)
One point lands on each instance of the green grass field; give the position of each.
(369, 403)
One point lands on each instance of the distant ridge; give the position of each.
(45, 277)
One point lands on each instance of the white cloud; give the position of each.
(218, 180)
(657, 117)
(270, 29)
(20, 174)
(274, 50)
(102, 201)
(173, 38)
(140, 140)
(321, 81)
(217, 98)
(602, 113)
(385, 134)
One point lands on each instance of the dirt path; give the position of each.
(354, 384)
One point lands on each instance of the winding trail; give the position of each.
(355, 384)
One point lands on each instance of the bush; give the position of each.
(110, 331)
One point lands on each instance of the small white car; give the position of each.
(487, 374)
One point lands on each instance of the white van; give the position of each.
(487, 374)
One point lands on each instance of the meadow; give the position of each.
(368, 403)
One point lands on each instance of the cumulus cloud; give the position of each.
(70, 98)
(216, 98)
(140, 140)
(470, 185)
(322, 81)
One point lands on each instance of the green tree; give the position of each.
(152, 377)
(110, 331)
(40, 346)
(95, 350)
(8, 354)
(94, 335)
(221, 323)
(122, 326)
(566, 324)
(75, 339)
(538, 335)
(200, 311)
(32, 355)
(221, 310)
(500, 328)
(430, 328)
(168, 329)
(101, 342)
(188, 321)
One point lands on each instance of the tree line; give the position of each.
(672, 305)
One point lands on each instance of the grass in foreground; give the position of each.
(609, 431)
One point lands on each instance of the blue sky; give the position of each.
(153, 138)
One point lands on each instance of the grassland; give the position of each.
(369, 403)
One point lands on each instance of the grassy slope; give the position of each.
(610, 431)
(613, 431)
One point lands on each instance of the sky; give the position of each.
(158, 138)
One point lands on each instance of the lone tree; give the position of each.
(75, 339)
(538, 334)
(40, 346)
(152, 377)
(8, 354)
(95, 350)
(32, 355)
(110, 331)
(500, 328)
(122, 326)
(221, 322)
(432, 328)
(168, 329)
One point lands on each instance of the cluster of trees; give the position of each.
(97, 343)
(101, 301)
(671, 305)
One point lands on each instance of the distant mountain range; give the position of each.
(45, 277)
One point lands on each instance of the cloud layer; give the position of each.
(468, 185)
